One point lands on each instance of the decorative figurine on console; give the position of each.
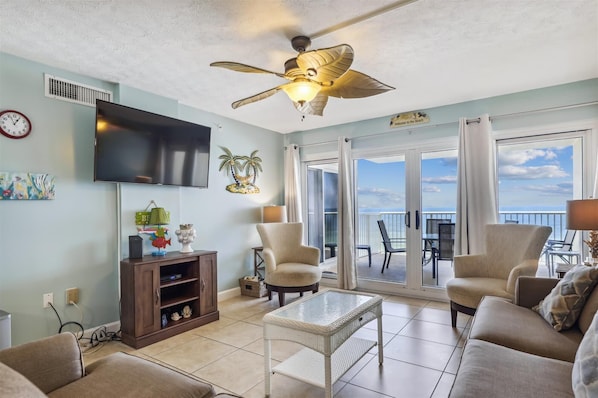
(186, 235)
(158, 216)
(159, 241)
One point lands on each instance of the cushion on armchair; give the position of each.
(563, 304)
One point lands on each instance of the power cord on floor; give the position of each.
(62, 325)
(102, 334)
(98, 339)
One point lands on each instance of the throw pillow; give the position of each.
(584, 378)
(564, 303)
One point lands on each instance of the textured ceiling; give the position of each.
(435, 52)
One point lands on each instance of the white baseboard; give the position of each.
(228, 294)
(111, 327)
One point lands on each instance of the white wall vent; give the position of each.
(70, 91)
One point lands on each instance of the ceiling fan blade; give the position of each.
(313, 107)
(327, 64)
(255, 98)
(355, 84)
(237, 67)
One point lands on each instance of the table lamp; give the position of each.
(158, 216)
(274, 214)
(582, 215)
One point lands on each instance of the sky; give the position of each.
(531, 177)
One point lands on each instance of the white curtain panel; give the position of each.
(476, 185)
(347, 274)
(292, 183)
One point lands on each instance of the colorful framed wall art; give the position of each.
(26, 186)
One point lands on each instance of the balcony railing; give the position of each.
(367, 231)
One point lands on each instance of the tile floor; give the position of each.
(421, 352)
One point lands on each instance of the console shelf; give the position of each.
(177, 282)
(152, 288)
(177, 301)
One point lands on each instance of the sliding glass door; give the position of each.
(408, 194)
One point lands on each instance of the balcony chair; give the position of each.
(389, 249)
(290, 265)
(561, 249)
(446, 246)
(512, 250)
(432, 243)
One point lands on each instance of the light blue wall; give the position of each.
(72, 241)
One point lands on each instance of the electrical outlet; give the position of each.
(47, 299)
(72, 295)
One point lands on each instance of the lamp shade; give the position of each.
(582, 214)
(158, 216)
(274, 214)
(301, 90)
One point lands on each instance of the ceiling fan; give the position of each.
(314, 76)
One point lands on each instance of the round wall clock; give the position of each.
(14, 124)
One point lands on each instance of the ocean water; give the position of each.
(556, 219)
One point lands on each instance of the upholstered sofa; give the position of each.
(513, 351)
(54, 366)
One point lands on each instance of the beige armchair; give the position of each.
(290, 265)
(512, 250)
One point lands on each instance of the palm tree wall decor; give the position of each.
(244, 170)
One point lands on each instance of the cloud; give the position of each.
(440, 180)
(565, 188)
(519, 157)
(513, 172)
(380, 198)
(430, 188)
(377, 192)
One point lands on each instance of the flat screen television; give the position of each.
(136, 146)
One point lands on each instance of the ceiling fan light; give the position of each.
(302, 91)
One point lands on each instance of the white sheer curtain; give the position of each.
(476, 185)
(347, 274)
(292, 183)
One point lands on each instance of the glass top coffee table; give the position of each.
(323, 323)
